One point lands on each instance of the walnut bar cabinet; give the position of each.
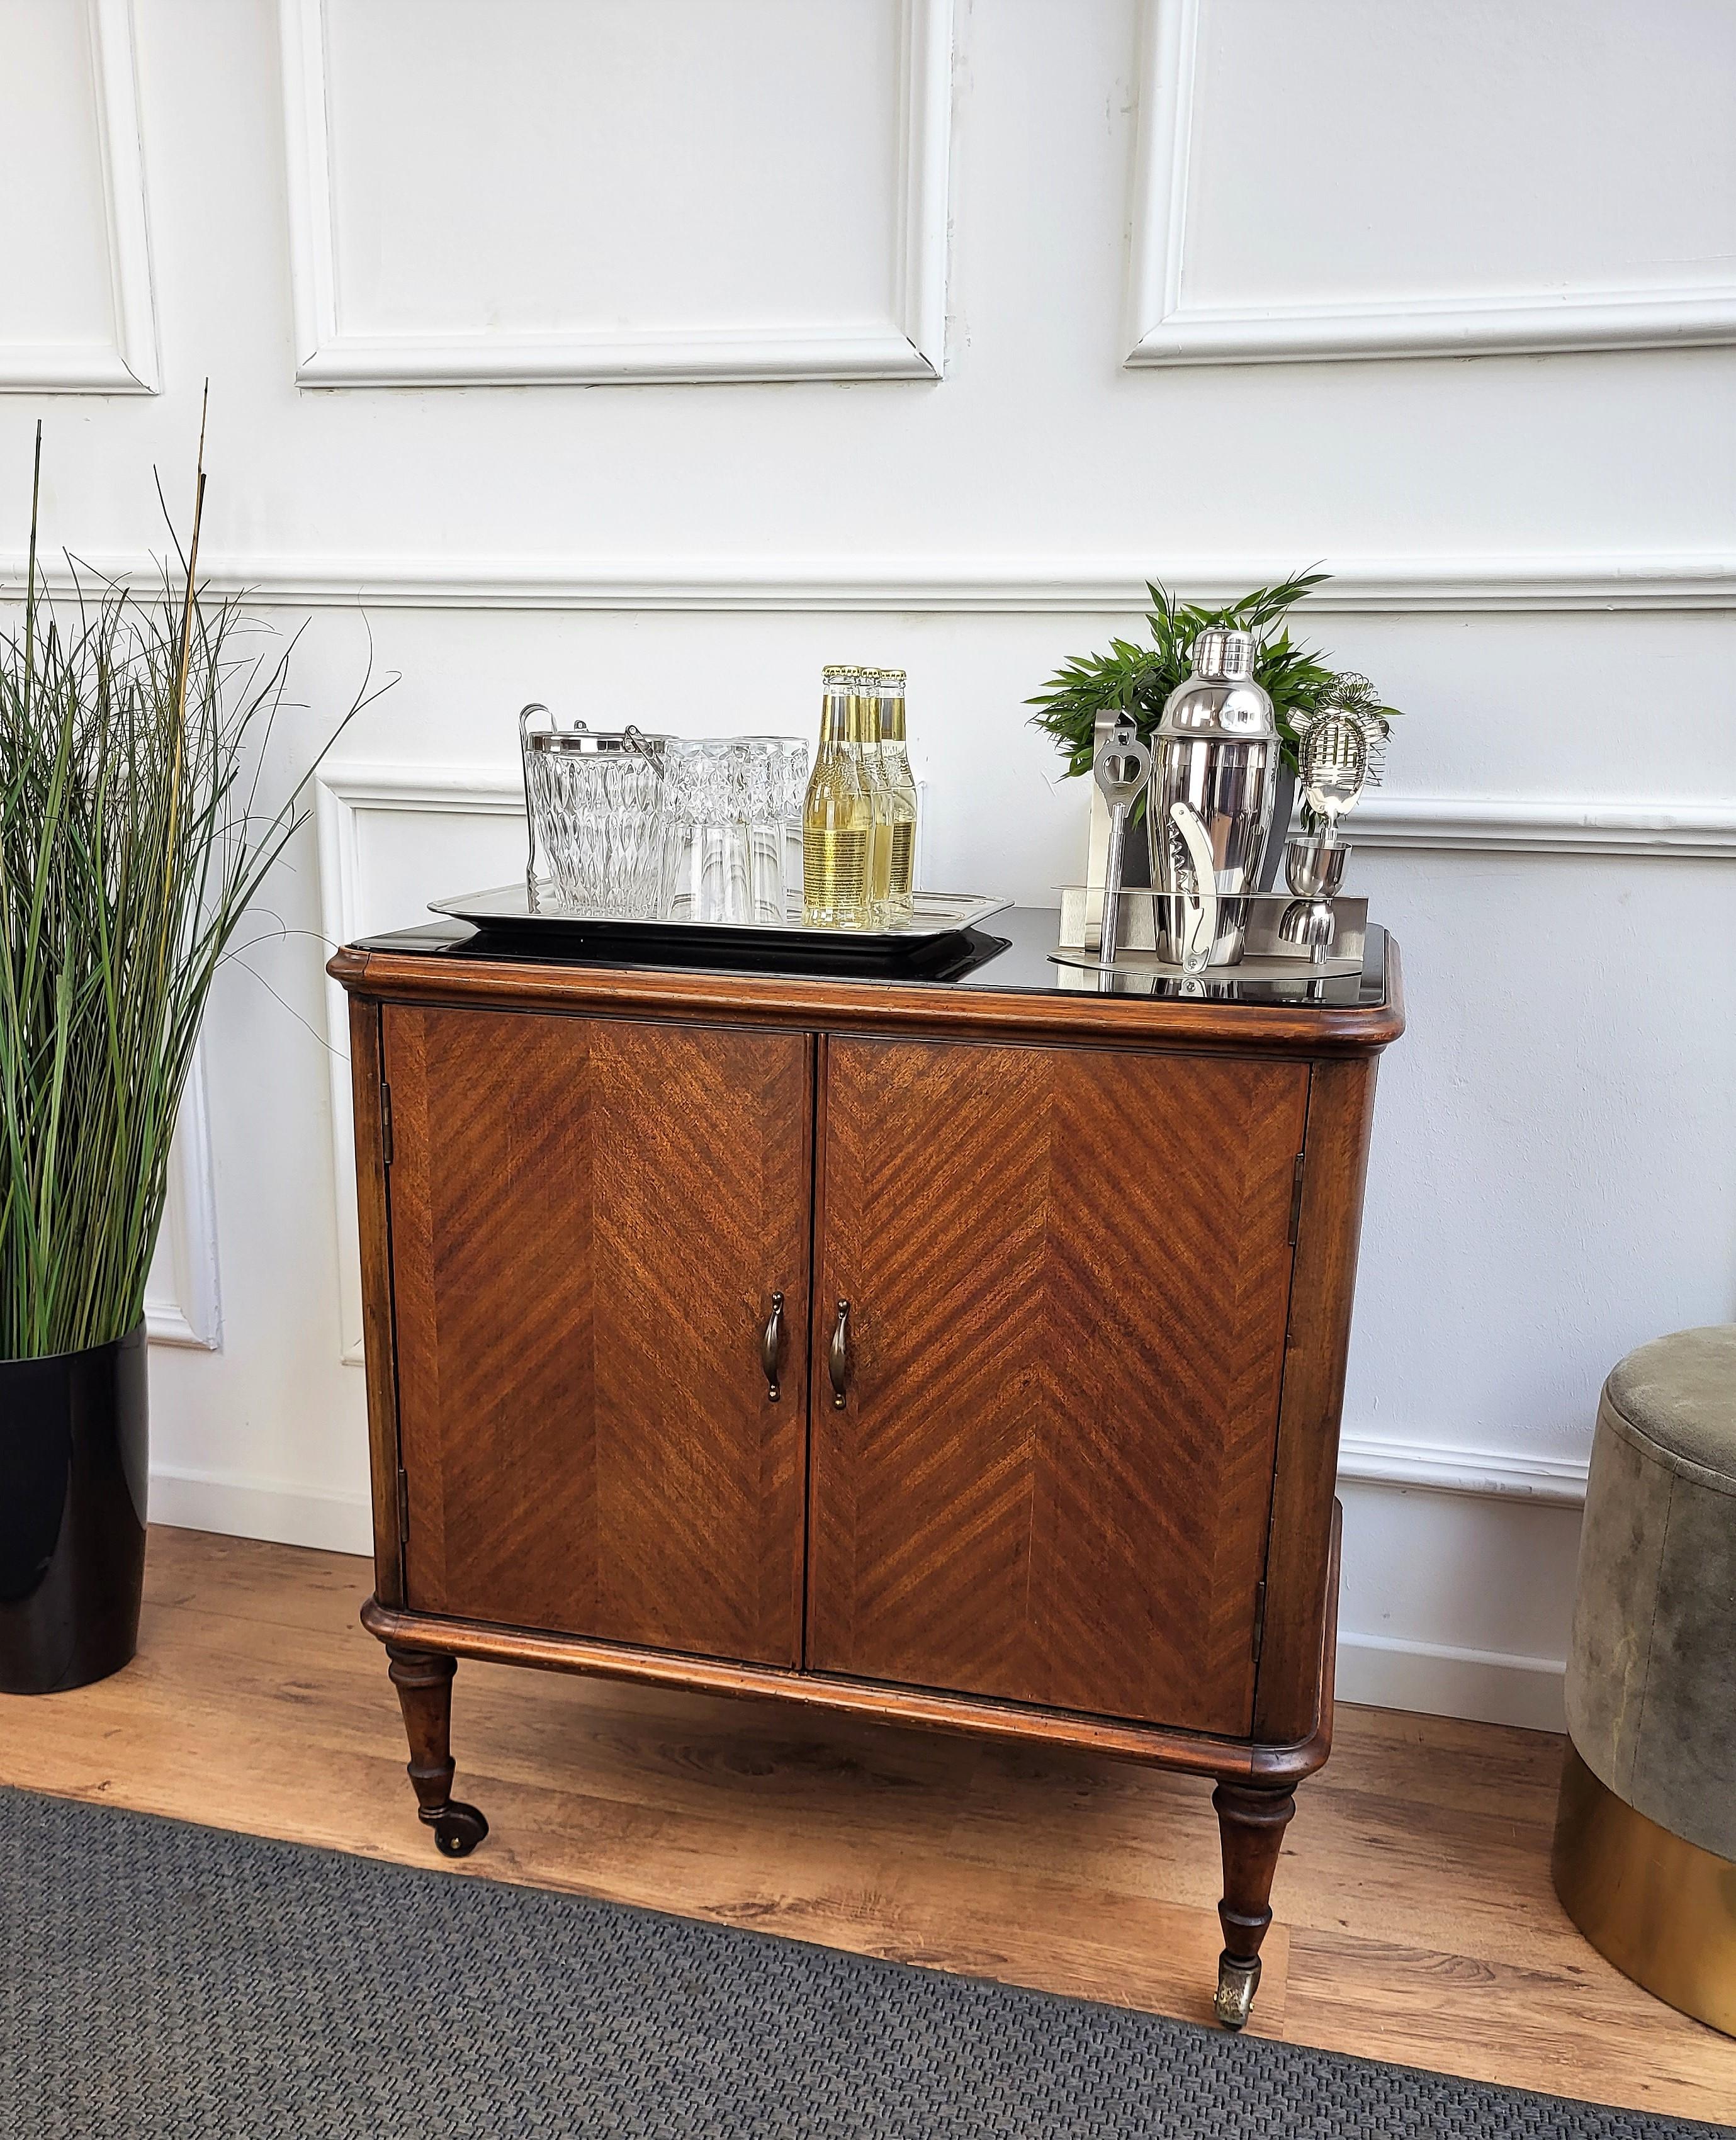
(961, 1348)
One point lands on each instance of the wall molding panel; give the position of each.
(1561, 582)
(184, 1298)
(1548, 825)
(344, 795)
(1162, 328)
(131, 365)
(910, 344)
(1376, 1460)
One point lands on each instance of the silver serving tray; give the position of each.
(520, 908)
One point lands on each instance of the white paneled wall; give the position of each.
(184, 1298)
(75, 309)
(683, 190)
(1311, 184)
(640, 355)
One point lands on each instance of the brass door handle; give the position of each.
(837, 1358)
(770, 1346)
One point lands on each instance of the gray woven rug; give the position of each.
(164, 1982)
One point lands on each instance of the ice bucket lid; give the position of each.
(578, 740)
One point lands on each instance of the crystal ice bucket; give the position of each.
(594, 805)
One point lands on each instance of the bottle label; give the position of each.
(903, 858)
(835, 877)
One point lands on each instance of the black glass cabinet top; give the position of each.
(1014, 957)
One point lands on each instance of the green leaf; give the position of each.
(1138, 679)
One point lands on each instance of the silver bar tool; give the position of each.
(1121, 768)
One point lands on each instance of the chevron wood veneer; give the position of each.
(589, 1221)
(1070, 1274)
(1039, 1443)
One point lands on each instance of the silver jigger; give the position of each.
(1308, 925)
(1314, 870)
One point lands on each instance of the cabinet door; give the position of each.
(590, 1218)
(1068, 1276)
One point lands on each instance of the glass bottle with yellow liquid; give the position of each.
(864, 734)
(837, 815)
(895, 791)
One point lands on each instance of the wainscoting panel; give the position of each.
(1341, 181)
(184, 1298)
(454, 828)
(584, 190)
(75, 305)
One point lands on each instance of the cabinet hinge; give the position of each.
(1296, 1196)
(403, 1513)
(1259, 1615)
(385, 1128)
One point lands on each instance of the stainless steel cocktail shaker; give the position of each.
(1214, 780)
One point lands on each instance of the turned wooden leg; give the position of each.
(423, 1681)
(1251, 1823)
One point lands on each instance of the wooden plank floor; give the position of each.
(1415, 1919)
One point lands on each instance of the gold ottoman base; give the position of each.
(1662, 1910)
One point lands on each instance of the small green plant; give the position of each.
(131, 844)
(1137, 680)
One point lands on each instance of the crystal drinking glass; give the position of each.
(792, 773)
(776, 776)
(776, 769)
(705, 835)
(729, 809)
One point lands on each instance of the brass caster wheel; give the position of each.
(1237, 1983)
(458, 1829)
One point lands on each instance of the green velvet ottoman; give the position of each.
(1645, 1840)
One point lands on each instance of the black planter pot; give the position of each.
(74, 1432)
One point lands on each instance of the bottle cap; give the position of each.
(1223, 655)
